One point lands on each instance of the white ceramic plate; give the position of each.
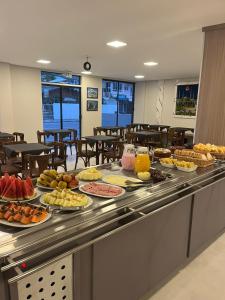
(171, 166)
(17, 224)
(37, 194)
(48, 188)
(106, 179)
(187, 169)
(102, 196)
(90, 202)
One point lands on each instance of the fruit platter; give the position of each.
(168, 162)
(15, 189)
(18, 214)
(102, 190)
(186, 166)
(66, 199)
(51, 179)
(90, 174)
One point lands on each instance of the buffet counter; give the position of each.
(118, 248)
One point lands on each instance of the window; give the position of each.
(61, 106)
(186, 99)
(58, 78)
(117, 103)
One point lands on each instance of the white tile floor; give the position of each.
(202, 279)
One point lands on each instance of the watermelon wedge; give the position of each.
(6, 181)
(28, 188)
(10, 193)
(19, 189)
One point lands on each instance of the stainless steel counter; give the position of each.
(150, 219)
(61, 224)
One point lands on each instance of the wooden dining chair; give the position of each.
(71, 141)
(115, 152)
(83, 152)
(34, 165)
(131, 138)
(42, 137)
(59, 155)
(19, 136)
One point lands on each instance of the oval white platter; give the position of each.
(90, 202)
(105, 179)
(48, 188)
(102, 196)
(187, 169)
(17, 224)
(37, 194)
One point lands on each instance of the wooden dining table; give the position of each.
(27, 148)
(5, 135)
(100, 139)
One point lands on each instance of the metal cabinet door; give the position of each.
(208, 216)
(131, 262)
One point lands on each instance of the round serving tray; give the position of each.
(37, 194)
(102, 196)
(66, 208)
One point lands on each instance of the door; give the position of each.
(117, 103)
(71, 109)
(61, 107)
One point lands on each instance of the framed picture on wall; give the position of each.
(186, 99)
(92, 93)
(92, 105)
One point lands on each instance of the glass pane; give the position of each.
(71, 108)
(109, 103)
(125, 103)
(52, 77)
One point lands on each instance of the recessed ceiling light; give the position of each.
(116, 44)
(86, 72)
(43, 61)
(139, 76)
(151, 63)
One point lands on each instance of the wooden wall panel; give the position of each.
(210, 125)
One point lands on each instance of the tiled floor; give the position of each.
(202, 279)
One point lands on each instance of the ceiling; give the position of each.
(65, 31)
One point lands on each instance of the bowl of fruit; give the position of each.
(51, 179)
(185, 166)
(168, 162)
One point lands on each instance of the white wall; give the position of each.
(27, 101)
(6, 105)
(155, 103)
(21, 101)
(90, 119)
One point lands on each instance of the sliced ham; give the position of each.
(102, 189)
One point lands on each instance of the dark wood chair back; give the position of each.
(115, 152)
(19, 136)
(59, 155)
(43, 135)
(34, 165)
(73, 134)
(84, 150)
(100, 131)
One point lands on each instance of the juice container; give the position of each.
(142, 161)
(128, 158)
